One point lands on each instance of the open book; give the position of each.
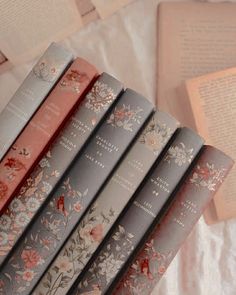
(213, 100)
(27, 27)
(194, 39)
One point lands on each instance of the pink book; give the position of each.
(27, 150)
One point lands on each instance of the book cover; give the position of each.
(47, 174)
(31, 94)
(96, 223)
(72, 197)
(146, 210)
(160, 248)
(43, 127)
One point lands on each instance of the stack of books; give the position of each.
(98, 190)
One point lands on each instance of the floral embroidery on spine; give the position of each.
(100, 97)
(180, 154)
(124, 116)
(207, 176)
(42, 243)
(72, 81)
(85, 239)
(47, 68)
(155, 135)
(109, 260)
(23, 207)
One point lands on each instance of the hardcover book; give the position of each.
(47, 174)
(42, 128)
(77, 189)
(145, 210)
(161, 246)
(31, 94)
(102, 214)
(213, 101)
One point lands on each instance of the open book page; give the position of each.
(193, 39)
(106, 8)
(213, 101)
(87, 11)
(27, 27)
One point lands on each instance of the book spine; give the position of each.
(50, 170)
(96, 223)
(166, 238)
(77, 189)
(31, 94)
(146, 208)
(43, 127)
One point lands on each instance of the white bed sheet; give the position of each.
(125, 46)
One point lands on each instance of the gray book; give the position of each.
(31, 93)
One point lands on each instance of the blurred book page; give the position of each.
(2, 58)
(213, 100)
(28, 26)
(193, 39)
(87, 11)
(106, 8)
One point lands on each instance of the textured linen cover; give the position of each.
(124, 45)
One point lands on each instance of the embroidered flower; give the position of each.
(161, 270)
(5, 222)
(46, 187)
(91, 233)
(77, 207)
(55, 173)
(109, 267)
(16, 205)
(22, 219)
(99, 97)
(3, 189)
(31, 258)
(44, 163)
(3, 239)
(32, 204)
(15, 164)
(181, 155)
(28, 275)
(124, 117)
(64, 264)
(154, 140)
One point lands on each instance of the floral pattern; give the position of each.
(43, 241)
(100, 97)
(24, 206)
(151, 264)
(180, 155)
(156, 135)
(72, 81)
(109, 261)
(47, 68)
(124, 116)
(77, 251)
(3, 189)
(207, 176)
(15, 164)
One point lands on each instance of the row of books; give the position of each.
(98, 189)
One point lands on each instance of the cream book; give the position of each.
(213, 101)
(28, 26)
(194, 38)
